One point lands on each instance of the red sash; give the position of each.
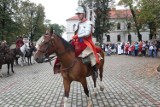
(90, 44)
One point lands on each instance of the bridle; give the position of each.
(45, 51)
(49, 59)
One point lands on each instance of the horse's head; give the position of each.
(49, 44)
(33, 48)
(45, 47)
(4, 49)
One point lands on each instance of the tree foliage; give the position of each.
(102, 25)
(59, 29)
(150, 15)
(8, 9)
(22, 18)
(132, 4)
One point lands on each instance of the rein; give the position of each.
(49, 59)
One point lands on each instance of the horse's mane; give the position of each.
(39, 41)
(66, 44)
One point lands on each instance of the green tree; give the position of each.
(8, 9)
(38, 26)
(31, 17)
(132, 4)
(150, 15)
(102, 25)
(59, 29)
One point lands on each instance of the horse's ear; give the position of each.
(46, 37)
(51, 30)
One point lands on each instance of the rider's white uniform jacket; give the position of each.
(85, 30)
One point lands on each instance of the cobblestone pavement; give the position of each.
(128, 81)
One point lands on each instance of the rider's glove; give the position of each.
(75, 37)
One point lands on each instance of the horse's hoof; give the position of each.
(89, 104)
(95, 94)
(101, 88)
(158, 68)
(13, 71)
(1, 75)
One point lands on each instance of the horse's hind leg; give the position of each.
(101, 76)
(22, 61)
(16, 60)
(1, 72)
(12, 67)
(8, 65)
(95, 90)
(66, 84)
(84, 84)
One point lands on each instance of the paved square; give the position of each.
(129, 82)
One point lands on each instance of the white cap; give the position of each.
(80, 9)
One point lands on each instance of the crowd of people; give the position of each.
(142, 48)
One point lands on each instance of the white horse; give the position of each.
(22, 52)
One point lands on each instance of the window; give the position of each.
(74, 27)
(108, 38)
(118, 38)
(129, 26)
(129, 38)
(118, 26)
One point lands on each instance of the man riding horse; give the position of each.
(19, 42)
(82, 41)
(4, 46)
(83, 38)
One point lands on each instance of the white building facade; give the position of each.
(123, 29)
(71, 26)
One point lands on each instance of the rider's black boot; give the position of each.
(95, 73)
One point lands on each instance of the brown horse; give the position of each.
(72, 68)
(6, 57)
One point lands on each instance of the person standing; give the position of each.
(136, 48)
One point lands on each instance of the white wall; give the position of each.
(69, 29)
(124, 37)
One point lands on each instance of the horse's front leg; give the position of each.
(1, 71)
(30, 60)
(12, 66)
(22, 60)
(84, 84)
(66, 84)
(8, 65)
